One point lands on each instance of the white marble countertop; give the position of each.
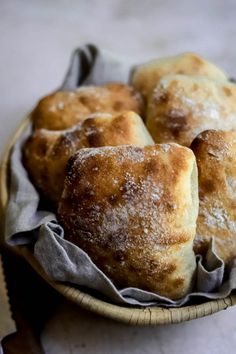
(37, 38)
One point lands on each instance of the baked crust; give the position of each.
(146, 76)
(46, 152)
(215, 152)
(182, 106)
(63, 109)
(134, 210)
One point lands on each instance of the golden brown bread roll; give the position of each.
(216, 159)
(137, 222)
(64, 109)
(183, 106)
(146, 76)
(47, 152)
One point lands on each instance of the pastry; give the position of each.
(134, 211)
(182, 106)
(47, 152)
(145, 77)
(63, 109)
(215, 152)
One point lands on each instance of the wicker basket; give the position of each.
(130, 315)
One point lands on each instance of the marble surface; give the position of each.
(36, 39)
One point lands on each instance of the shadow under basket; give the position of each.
(131, 315)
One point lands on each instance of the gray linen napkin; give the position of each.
(25, 223)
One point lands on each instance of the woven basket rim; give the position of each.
(131, 315)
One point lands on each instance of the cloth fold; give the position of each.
(26, 223)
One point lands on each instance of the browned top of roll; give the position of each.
(134, 211)
(63, 109)
(146, 76)
(46, 152)
(182, 106)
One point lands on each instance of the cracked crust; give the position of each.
(215, 153)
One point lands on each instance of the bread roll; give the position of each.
(47, 152)
(181, 107)
(134, 210)
(216, 159)
(64, 109)
(146, 76)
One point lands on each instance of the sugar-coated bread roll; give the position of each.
(216, 159)
(182, 106)
(146, 76)
(134, 211)
(47, 152)
(63, 109)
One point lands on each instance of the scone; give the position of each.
(182, 106)
(47, 152)
(215, 152)
(145, 77)
(64, 109)
(134, 211)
